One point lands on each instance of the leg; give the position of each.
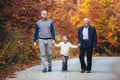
(49, 52)
(63, 62)
(81, 57)
(66, 62)
(43, 56)
(89, 58)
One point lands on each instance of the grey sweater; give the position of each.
(44, 29)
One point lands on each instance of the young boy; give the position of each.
(64, 51)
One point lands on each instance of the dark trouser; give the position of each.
(85, 49)
(64, 62)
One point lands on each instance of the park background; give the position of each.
(18, 19)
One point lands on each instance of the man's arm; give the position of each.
(79, 37)
(95, 38)
(52, 31)
(36, 34)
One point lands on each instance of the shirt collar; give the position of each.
(86, 27)
(65, 43)
(44, 19)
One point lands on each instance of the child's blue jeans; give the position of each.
(64, 62)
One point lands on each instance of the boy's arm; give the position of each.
(57, 45)
(73, 46)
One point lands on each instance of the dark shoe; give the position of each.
(44, 70)
(49, 69)
(82, 71)
(88, 71)
(64, 70)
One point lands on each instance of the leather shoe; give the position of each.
(82, 71)
(87, 71)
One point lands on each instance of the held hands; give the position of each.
(34, 44)
(78, 44)
(93, 50)
(53, 41)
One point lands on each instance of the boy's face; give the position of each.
(65, 39)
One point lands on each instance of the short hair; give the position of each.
(65, 36)
(86, 19)
(44, 11)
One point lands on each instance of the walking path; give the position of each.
(103, 68)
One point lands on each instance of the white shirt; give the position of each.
(65, 47)
(85, 33)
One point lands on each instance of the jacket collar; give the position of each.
(89, 28)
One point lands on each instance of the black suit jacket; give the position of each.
(92, 36)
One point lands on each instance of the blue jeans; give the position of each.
(64, 62)
(45, 47)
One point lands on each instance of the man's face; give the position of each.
(44, 15)
(86, 23)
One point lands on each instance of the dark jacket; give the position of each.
(92, 36)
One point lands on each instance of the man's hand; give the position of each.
(93, 50)
(78, 44)
(53, 41)
(34, 44)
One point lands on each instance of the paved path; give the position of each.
(104, 68)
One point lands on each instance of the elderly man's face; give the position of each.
(86, 23)
(44, 15)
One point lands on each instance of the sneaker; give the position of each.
(44, 70)
(49, 69)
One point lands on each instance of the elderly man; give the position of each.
(44, 30)
(87, 40)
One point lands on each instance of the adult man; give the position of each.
(44, 29)
(87, 40)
